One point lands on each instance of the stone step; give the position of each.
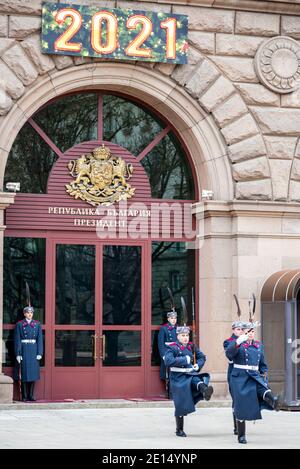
(104, 404)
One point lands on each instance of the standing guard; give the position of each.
(166, 336)
(248, 380)
(236, 332)
(188, 385)
(28, 344)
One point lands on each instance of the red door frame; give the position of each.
(152, 385)
(102, 374)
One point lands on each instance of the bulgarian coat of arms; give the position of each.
(100, 178)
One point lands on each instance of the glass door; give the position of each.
(98, 320)
(121, 339)
(75, 320)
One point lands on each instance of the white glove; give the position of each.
(19, 358)
(241, 339)
(39, 357)
(196, 367)
(188, 359)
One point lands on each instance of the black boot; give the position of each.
(31, 391)
(274, 401)
(241, 428)
(207, 391)
(24, 391)
(235, 431)
(179, 426)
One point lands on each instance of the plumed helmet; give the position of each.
(182, 329)
(172, 314)
(236, 324)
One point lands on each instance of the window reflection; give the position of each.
(74, 348)
(122, 348)
(155, 356)
(74, 119)
(24, 260)
(168, 170)
(70, 120)
(121, 285)
(173, 265)
(29, 162)
(75, 284)
(128, 125)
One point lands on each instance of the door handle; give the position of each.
(94, 339)
(103, 346)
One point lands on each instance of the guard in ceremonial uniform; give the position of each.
(248, 379)
(236, 332)
(166, 336)
(28, 343)
(188, 386)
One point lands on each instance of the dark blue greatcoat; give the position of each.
(167, 333)
(230, 362)
(30, 366)
(248, 386)
(183, 385)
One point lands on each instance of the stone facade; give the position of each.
(243, 135)
(221, 76)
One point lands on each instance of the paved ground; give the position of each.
(141, 428)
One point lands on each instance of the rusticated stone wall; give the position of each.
(260, 126)
(258, 121)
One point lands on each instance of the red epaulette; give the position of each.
(229, 340)
(20, 321)
(172, 344)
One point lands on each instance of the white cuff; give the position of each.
(188, 359)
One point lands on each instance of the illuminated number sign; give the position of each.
(91, 31)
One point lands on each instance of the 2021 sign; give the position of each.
(114, 33)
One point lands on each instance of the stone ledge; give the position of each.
(247, 208)
(106, 404)
(272, 6)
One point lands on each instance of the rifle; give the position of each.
(194, 325)
(20, 381)
(185, 316)
(167, 383)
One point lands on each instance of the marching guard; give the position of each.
(28, 344)
(188, 385)
(236, 332)
(248, 379)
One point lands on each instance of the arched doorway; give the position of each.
(98, 299)
(280, 314)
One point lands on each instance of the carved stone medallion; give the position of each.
(277, 64)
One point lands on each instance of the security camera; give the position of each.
(13, 186)
(207, 194)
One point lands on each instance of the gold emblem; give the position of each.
(101, 179)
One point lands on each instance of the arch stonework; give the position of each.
(196, 128)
